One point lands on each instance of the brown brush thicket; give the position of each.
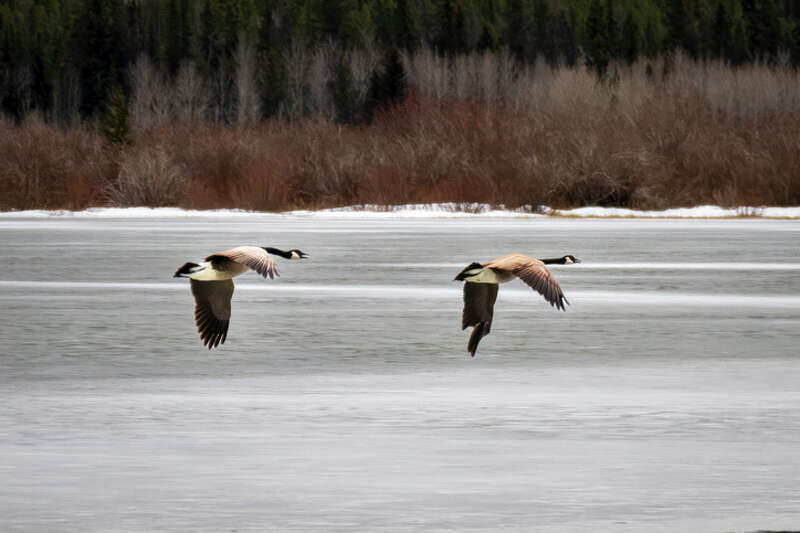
(476, 128)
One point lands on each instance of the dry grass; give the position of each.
(638, 144)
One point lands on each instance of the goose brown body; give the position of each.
(481, 285)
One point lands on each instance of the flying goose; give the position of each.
(212, 285)
(482, 280)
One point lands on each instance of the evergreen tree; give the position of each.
(650, 42)
(676, 25)
(337, 20)
(41, 88)
(343, 93)
(174, 51)
(114, 125)
(543, 34)
(795, 49)
(565, 40)
(209, 42)
(272, 83)
(406, 26)
(630, 38)
(519, 29)
(387, 86)
(105, 56)
(721, 32)
(452, 27)
(489, 21)
(760, 19)
(739, 51)
(597, 49)
(612, 32)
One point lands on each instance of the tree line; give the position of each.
(252, 59)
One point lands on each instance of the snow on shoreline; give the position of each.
(448, 210)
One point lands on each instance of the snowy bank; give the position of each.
(702, 211)
(133, 212)
(442, 210)
(484, 210)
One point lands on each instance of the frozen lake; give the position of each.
(666, 398)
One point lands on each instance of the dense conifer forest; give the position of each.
(73, 57)
(272, 104)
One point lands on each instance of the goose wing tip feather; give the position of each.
(536, 276)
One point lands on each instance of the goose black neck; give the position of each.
(275, 251)
(554, 261)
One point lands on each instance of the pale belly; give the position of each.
(487, 275)
(211, 274)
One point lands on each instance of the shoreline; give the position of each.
(445, 210)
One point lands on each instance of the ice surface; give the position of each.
(664, 399)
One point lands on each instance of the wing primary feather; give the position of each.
(212, 310)
(478, 332)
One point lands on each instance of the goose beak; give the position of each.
(578, 260)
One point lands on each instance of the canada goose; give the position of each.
(482, 280)
(212, 285)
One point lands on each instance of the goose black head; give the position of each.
(291, 254)
(566, 260)
(469, 270)
(185, 270)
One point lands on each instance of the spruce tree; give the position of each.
(452, 27)
(565, 41)
(612, 32)
(721, 32)
(406, 26)
(597, 50)
(739, 52)
(114, 125)
(630, 38)
(387, 86)
(543, 33)
(795, 50)
(761, 19)
(519, 29)
(104, 53)
(676, 25)
(343, 93)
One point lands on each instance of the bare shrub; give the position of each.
(296, 60)
(150, 95)
(45, 167)
(362, 63)
(318, 79)
(147, 177)
(428, 72)
(190, 100)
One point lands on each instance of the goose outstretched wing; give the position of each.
(535, 274)
(250, 256)
(479, 299)
(212, 310)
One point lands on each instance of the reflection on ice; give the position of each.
(393, 292)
